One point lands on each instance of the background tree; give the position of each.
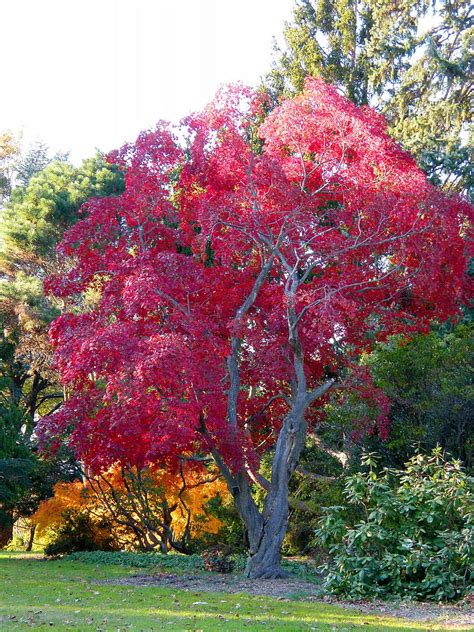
(145, 510)
(429, 382)
(32, 223)
(15, 466)
(231, 274)
(34, 160)
(18, 165)
(411, 60)
(431, 109)
(9, 154)
(25, 478)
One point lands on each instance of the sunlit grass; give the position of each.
(67, 595)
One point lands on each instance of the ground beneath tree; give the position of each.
(460, 615)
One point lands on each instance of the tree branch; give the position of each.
(319, 391)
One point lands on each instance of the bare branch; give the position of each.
(318, 392)
(279, 395)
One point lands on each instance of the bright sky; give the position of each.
(81, 74)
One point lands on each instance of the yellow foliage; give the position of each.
(195, 499)
(177, 498)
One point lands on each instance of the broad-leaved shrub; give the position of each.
(403, 533)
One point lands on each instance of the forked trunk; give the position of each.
(264, 562)
(267, 534)
(267, 529)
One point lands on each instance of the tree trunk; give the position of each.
(264, 562)
(31, 539)
(267, 529)
(6, 533)
(266, 536)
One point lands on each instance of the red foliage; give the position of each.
(321, 192)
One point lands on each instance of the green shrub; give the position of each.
(79, 533)
(403, 533)
(231, 534)
(132, 559)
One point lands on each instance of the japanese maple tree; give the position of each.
(206, 303)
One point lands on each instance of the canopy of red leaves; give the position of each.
(158, 274)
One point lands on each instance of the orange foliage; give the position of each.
(66, 496)
(148, 499)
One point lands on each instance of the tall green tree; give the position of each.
(431, 109)
(412, 60)
(31, 225)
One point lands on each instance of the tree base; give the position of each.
(255, 571)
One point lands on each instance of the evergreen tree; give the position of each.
(32, 224)
(431, 111)
(35, 160)
(411, 60)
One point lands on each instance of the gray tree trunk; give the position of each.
(267, 529)
(264, 555)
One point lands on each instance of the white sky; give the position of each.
(81, 74)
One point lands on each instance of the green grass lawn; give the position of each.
(67, 595)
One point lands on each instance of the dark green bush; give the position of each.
(78, 532)
(231, 535)
(403, 533)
